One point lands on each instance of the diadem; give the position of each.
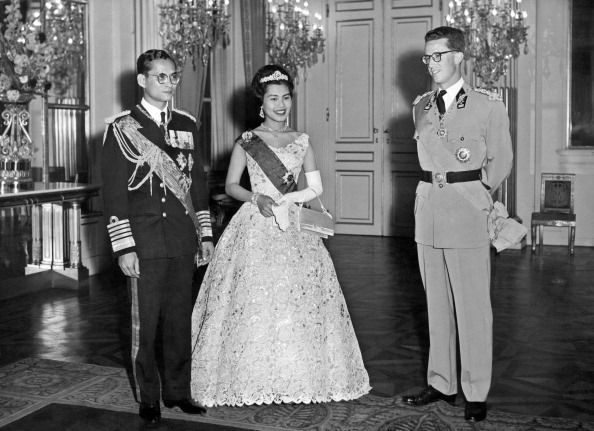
(276, 76)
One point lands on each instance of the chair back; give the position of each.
(557, 193)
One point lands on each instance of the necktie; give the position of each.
(162, 125)
(440, 103)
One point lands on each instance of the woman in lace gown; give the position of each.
(270, 322)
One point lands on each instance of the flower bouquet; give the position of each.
(40, 52)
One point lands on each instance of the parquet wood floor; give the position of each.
(542, 305)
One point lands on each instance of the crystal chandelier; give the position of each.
(190, 28)
(494, 31)
(291, 41)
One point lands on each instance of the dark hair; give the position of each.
(143, 64)
(454, 36)
(259, 88)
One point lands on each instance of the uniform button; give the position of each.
(440, 186)
(162, 199)
(461, 138)
(162, 185)
(164, 214)
(186, 213)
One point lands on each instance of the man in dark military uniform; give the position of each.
(156, 203)
(465, 150)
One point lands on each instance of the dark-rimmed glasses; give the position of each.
(162, 78)
(436, 56)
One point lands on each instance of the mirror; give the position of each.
(582, 74)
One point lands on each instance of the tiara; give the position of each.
(276, 76)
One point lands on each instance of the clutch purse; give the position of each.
(317, 222)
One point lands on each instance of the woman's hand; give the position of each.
(265, 204)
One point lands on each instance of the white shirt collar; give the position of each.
(153, 110)
(451, 92)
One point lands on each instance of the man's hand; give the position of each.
(129, 264)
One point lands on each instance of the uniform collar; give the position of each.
(452, 92)
(153, 111)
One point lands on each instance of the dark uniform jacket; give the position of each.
(473, 134)
(149, 219)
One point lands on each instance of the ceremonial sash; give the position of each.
(272, 166)
(158, 161)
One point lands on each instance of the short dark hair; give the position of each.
(454, 36)
(268, 71)
(143, 64)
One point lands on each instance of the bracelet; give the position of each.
(254, 199)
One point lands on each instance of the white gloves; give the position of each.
(281, 215)
(313, 190)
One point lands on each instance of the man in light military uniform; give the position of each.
(465, 151)
(156, 203)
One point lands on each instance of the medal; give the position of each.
(171, 138)
(463, 154)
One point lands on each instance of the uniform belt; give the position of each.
(451, 177)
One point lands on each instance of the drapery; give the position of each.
(253, 20)
(253, 28)
(189, 94)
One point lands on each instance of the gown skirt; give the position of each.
(270, 324)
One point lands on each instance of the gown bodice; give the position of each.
(292, 157)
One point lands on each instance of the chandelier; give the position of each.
(190, 28)
(291, 41)
(494, 31)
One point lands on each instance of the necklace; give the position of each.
(275, 133)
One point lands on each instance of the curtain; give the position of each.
(253, 19)
(253, 27)
(190, 92)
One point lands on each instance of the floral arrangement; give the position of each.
(41, 51)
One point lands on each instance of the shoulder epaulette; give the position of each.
(419, 97)
(111, 119)
(491, 94)
(187, 114)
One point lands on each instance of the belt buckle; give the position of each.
(439, 178)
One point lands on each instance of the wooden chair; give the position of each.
(556, 207)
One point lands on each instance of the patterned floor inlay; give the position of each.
(32, 384)
(543, 364)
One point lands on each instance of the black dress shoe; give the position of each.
(427, 396)
(150, 413)
(186, 406)
(475, 411)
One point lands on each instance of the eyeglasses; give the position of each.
(436, 56)
(162, 78)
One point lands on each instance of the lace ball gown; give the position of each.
(270, 323)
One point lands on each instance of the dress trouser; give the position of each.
(457, 286)
(162, 295)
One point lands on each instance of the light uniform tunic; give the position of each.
(451, 231)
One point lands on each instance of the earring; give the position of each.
(261, 112)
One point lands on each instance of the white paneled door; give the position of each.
(375, 72)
